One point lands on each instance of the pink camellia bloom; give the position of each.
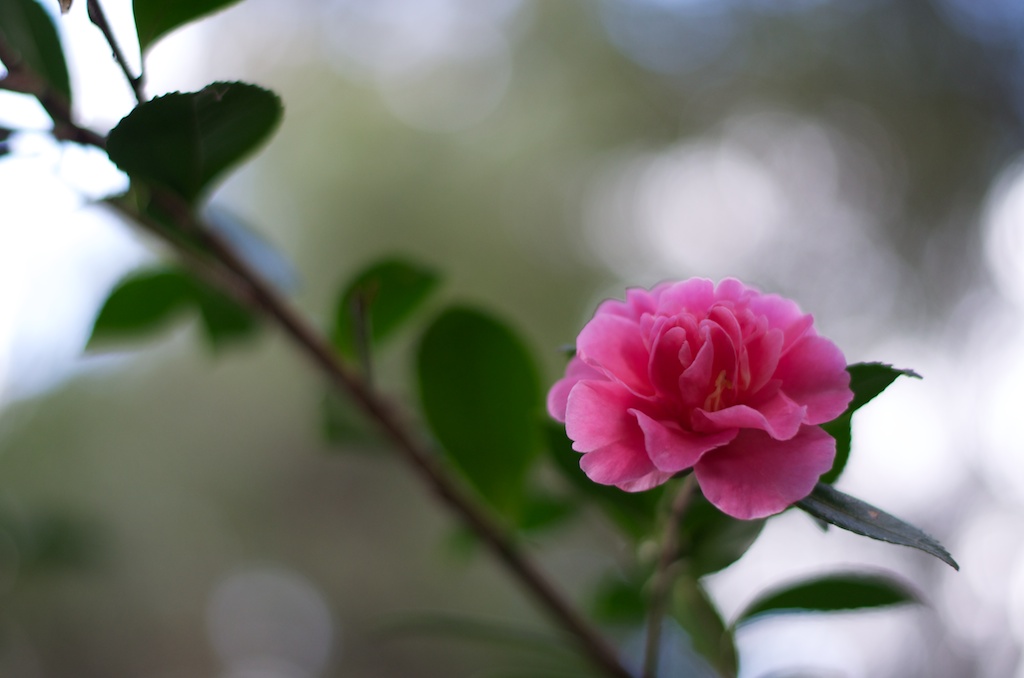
(722, 379)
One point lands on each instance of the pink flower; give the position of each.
(724, 380)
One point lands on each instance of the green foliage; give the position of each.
(832, 506)
(146, 302)
(711, 540)
(30, 32)
(377, 301)
(183, 141)
(156, 18)
(635, 513)
(695, 612)
(48, 541)
(830, 593)
(619, 600)
(481, 398)
(867, 380)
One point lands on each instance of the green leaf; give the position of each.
(830, 593)
(156, 18)
(252, 248)
(711, 540)
(224, 320)
(146, 302)
(867, 380)
(342, 425)
(481, 398)
(378, 301)
(619, 600)
(695, 612)
(828, 504)
(541, 512)
(141, 304)
(31, 33)
(183, 141)
(635, 513)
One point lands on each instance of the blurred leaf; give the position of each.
(378, 301)
(711, 540)
(147, 301)
(619, 600)
(251, 247)
(481, 398)
(830, 593)
(542, 512)
(183, 141)
(49, 541)
(635, 513)
(224, 319)
(141, 304)
(156, 18)
(342, 424)
(844, 511)
(30, 32)
(867, 380)
(695, 612)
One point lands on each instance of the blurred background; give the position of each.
(165, 512)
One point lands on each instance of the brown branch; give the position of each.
(22, 79)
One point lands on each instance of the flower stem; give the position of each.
(664, 575)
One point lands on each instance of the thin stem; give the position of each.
(99, 18)
(664, 575)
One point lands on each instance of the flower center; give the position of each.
(714, 401)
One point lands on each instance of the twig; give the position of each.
(99, 18)
(22, 79)
(664, 575)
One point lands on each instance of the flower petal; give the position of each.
(813, 373)
(621, 463)
(671, 449)
(558, 396)
(597, 415)
(778, 416)
(615, 345)
(756, 476)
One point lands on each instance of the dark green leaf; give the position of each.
(842, 510)
(481, 398)
(830, 593)
(695, 612)
(156, 18)
(378, 301)
(142, 304)
(224, 320)
(146, 302)
(343, 425)
(30, 32)
(867, 380)
(636, 513)
(840, 429)
(183, 141)
(711, 540)
(619, 600)
(542, 512)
